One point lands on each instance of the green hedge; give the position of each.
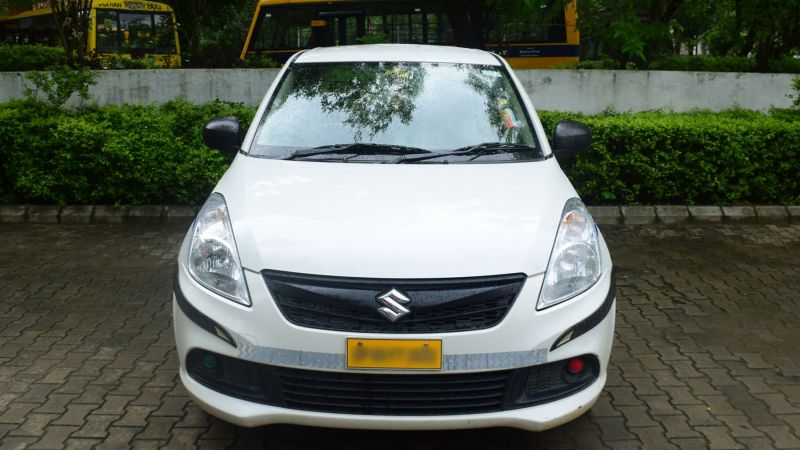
(697, 63)
(111, 154)
(30, 57)
(735, 157)
(722, 64)
(154, 154)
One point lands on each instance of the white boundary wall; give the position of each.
(587, 91)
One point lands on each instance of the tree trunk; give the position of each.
(195, 50)
(71, 18)
(467, 20)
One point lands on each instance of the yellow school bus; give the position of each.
(282, 27)
(123, 29)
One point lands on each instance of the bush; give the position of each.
(119, 62)
(722, 64)
(108, 155)
(154, 154)
(785, 65)
(734, 157)
(58, 84)
(704, 63)
(259, 62)
(603, 64)
(30, 57)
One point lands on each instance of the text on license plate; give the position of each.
(394, 353)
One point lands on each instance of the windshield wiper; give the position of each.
(357, 148)
(487, 148)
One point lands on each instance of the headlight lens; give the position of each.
(575, 263)
(213, 258)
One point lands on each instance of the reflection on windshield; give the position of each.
(436, 107)
(368, 100)
(499, 108)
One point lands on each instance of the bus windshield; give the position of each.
(431, 106)
(126, 32)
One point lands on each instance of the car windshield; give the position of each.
(415, 107)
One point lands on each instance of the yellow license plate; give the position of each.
(394, 354)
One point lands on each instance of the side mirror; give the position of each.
(223, 134)
(571, 139)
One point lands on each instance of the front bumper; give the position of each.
(526, 337)
(535, 418)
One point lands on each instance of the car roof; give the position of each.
(397, 53)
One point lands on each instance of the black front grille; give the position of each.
(352, 393)
(350, 304)
(389, 394)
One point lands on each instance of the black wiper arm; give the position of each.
(358, 148)
(486, 148)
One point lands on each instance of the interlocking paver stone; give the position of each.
(704, 357)
(54, 438)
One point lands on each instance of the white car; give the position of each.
(395, 247)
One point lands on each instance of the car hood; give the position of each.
(395, 220)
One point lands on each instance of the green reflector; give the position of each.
(210, 361)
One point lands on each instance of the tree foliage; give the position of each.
(58, 84)
(213, 32)
(641, 31)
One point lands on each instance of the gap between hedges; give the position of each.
(138, 155)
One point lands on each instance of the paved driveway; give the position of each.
(706, 353)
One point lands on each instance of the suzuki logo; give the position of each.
(393, 302)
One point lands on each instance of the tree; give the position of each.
(213, 32)
(71, 18)
(768, 30)
(634, 31)
(641, 31)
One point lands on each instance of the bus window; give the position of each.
(164, 38)
(439, 30)
(350, 24)
(284, 30)
(119, 31)
(546, 26)
(136, 30)
(39, 32)
(107, 31)
(408, 25)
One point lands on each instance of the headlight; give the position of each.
(575, 263)
(213, 258)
